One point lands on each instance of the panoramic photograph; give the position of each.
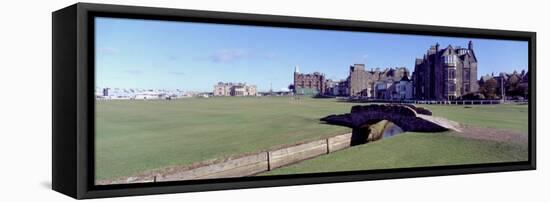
(178, 101)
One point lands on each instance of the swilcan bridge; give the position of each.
(405, 116)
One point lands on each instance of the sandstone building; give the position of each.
(375, 83)
(234, 89)
(340, 88)
(445, 74)
(390, 83)
(309, 84)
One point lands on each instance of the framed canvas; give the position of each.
(156, 100)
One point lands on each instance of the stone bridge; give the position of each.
(407, 117)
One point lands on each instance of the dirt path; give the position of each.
(501, 135)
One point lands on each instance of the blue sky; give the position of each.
(155, 54)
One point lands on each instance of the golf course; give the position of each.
(134, 136)
(412, 149)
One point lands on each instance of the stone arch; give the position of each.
(405, 116)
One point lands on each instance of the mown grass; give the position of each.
(134, 136)
(411, 150)
(507, 116)
(430, 149)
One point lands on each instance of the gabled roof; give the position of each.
(472, 55)
(405, 78)
(525, 76)
(446, 50)
(486, 77)
(390, 72)
(468, 56)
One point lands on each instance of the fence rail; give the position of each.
(441, 102)
(247, 165)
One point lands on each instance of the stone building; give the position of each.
(404, 88)
(234, 89)
(309, 84)
(340, 88)
(393, 90)
(445, 74)
(370, 83)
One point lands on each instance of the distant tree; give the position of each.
(473, 96)
(523, 90)
(489, 89)
(512, 86)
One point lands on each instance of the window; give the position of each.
(451, 88)
(451, 74)
(466, 87)
(466, 75)
(449, 59)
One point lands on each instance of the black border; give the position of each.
(83, 163)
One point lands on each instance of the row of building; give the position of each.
(234, 89)
(441, 74)
(521, 78)
(390, 83)
(142, 94)
(220, 89)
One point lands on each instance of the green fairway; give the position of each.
(430, 149)
(134, 136)
(508, 116)
(411, 150)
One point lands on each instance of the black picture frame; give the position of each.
(73, 103)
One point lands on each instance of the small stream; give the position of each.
(374, 132)
(391, 130)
